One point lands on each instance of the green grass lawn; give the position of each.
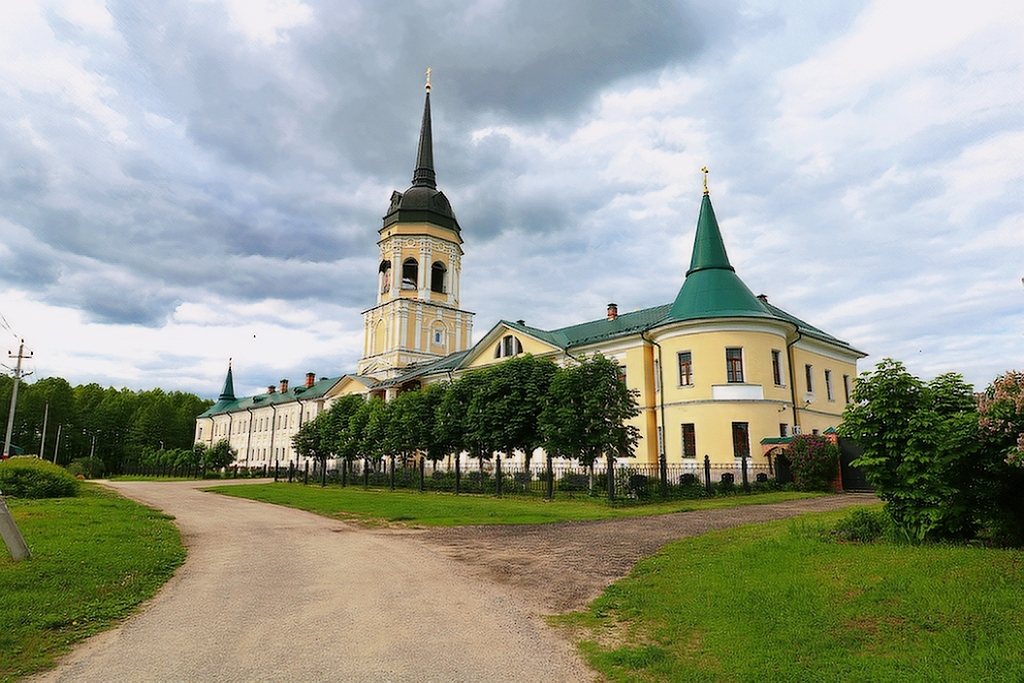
(382, 506)
(94, 559)
(777, 602)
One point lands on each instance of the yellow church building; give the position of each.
(719, 371)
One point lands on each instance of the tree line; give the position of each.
(525, 403)
(948, 462)
(124, 423)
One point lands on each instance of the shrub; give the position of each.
(90, 468)
(35, 478)
(862, 526)
(814, 460)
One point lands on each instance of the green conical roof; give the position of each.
(228, 392)
(712, 289)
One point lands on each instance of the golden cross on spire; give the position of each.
(428, 78)
(705, 170)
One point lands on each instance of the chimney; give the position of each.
(613, 311)
(284, 386)
(270, 388)
(310, 379)
(763, 298)
(521, 322)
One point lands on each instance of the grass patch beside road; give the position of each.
(95, 557)
(382, 506)
(777, 602)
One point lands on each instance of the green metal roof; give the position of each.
(299, 393)
(711, 288)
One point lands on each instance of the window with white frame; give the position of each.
(777, 368)
(734, 365)
(828, 386)
(685, 368)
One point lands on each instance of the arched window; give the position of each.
(508, 346)
(385, 277)
(437, 276)
(410, 273)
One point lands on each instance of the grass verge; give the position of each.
(95, 557)
(776, 602)
(382, 507)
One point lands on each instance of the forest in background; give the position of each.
(125, 423)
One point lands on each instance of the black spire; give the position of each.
(423, 176)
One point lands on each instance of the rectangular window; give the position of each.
(846, 387)
(741, 439)
(828, 386)
(809, 376)
(783, 430)
(622, 374)
(685, 368)
(777, 367)
(689, 441)
(734, 365)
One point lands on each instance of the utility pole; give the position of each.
(42, 440)
(8, 529)
(14, 398)
(56, 445)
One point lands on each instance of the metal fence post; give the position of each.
(497, 474)
(610, 476)
(707, 472)
(457, 473)
(551, 478)
(366, 473)
(392, 471)
(323, 473)
(743, 464)
(423, 467)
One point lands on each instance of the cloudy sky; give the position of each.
(192, 180)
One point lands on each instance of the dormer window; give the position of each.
(410, 273)
(508, 346)
(437, 277)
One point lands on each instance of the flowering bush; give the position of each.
(814, 460)
(1001, 410)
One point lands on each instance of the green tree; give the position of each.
(922, 451)
(220, 455)
(586, 413)
(505, 409)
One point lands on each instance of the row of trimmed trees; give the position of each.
(949, 463)
(579, 412)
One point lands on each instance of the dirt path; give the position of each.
(561, 567)
(273, 594)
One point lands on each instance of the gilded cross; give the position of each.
(705, 170)
(428, 77)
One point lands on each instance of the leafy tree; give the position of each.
(921, 450)
(586, 413)
(220, 455)
(505, 409)
(313, 439)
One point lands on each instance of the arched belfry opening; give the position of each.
(410, 273)
(384, 273)
(438, 275)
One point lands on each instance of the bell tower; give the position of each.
(417, 317)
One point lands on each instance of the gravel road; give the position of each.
(273, 594)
